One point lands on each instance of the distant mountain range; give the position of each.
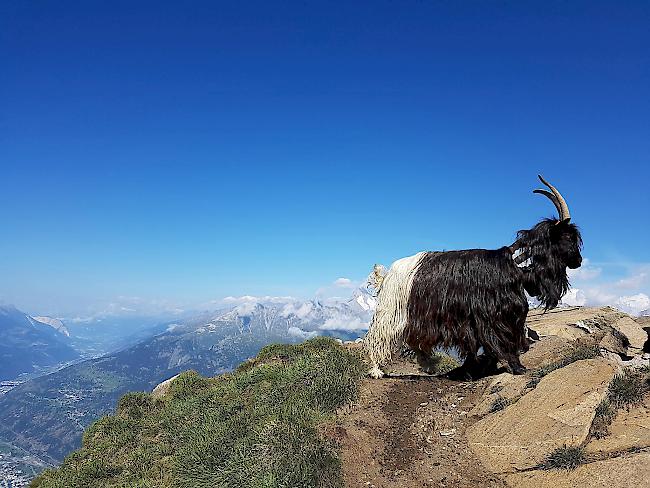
(46, 416)
(28, 345)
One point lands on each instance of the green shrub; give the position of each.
(256, 427)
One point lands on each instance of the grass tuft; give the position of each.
(578, 353)
(442, 363)
(603, 417)
(499, 404)
(256, 427)
(627, 388)
(565, 458)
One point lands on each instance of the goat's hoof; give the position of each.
(518, 369)
(376, 373)
(459, 374)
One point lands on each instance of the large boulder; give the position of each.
(501, 390)
(546, 351)
(558, 412)
(571, 323)
(634, 334)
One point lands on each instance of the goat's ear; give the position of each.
(560, 226)
(558, 229)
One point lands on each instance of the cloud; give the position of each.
(334, 290)
(300, 310)
(125, 306)
(638, 279)
(629, 293)
(344, 323)
(344, 283)
(633, 304)
(303, 334)
(585, 272)
(230, 300)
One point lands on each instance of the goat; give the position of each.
(475, 298)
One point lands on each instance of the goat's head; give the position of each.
(551, 246)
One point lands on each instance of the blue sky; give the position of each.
(182, 152)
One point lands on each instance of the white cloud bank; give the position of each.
(629, 294)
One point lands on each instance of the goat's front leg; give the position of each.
(515, 364)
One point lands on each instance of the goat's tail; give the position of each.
(376, 278)
(389, 321)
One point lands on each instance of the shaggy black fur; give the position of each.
(475, 298)
(553, 246)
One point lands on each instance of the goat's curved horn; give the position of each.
(556, 197)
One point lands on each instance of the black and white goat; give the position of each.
(474, 298)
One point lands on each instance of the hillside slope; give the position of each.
(46, 416)
(256, 427)
(27, 344)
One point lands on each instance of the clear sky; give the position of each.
(180, 152)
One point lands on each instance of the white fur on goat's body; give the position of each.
(390, 319)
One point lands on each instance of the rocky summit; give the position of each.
(578, 417)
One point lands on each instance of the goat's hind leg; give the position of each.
(425, 361)
(466, 372)
(486, 365)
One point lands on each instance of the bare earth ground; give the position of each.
(423, 445)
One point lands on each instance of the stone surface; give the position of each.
(633, 332)
(613, 343)
(630, 429)
(556, 413)
(627, 471)
(562, 322)
(161, 389)
(504, 386)
(546, 351)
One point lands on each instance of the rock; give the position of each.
(548, 350)
(633, 332)
(504, 386)
(613, 343)
(571, 324)
(620, 472)
(161, 389)
(558, 412)
(635, 363)
(629, 429)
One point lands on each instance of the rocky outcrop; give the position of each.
(521, 424)
(635, 336)
(161, 389)
(571, 323)
(412, 429)
(558, 412)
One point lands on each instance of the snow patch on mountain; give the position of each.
(56, 324)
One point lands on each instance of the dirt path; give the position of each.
(423, 445)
